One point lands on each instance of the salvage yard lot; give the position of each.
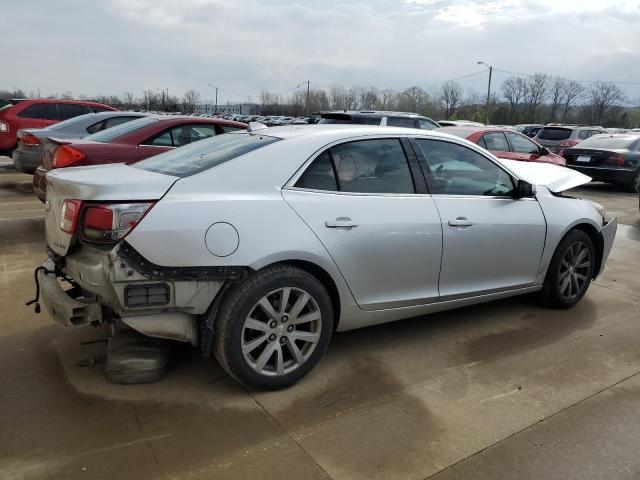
(502, 390)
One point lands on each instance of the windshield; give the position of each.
(554, 133)
(608, 142)
(205, 154)
(106, 136)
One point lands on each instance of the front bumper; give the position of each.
(608, 234)
(27, 161)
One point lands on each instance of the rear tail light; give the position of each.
(29, 140)
(569, 143)
(4, 126)
(66, 156)
(69, 215)
(107, 223)
(615, 159)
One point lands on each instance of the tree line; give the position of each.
(537, 98)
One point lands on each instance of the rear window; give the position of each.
(554, 133)
(348, 119)
(608, 142)
(80, 119)
(205, 154)
(118, 131)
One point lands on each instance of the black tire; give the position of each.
(552, 294)
(242, 300)
(634, 185)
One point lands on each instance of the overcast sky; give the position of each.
(243, 46)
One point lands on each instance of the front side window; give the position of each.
(522, 144)
(363, 166)
(496, 141)
(458, 170)
(70, 110)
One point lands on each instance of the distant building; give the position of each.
(238, 108)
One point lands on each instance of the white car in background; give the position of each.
(257, 246)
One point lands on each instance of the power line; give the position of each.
(579, 81)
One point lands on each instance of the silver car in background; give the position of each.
(27, 156)
(257, 246)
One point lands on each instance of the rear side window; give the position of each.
(200, 156)
(320, 175)
(70, 110)
(401, 122)
(584, 134)
(363, 166)
(35, 110)
(551, 133)
(181, 135)
(496, 141)
(348, 119)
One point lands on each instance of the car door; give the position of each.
(497, 144)
(491, 241)
(523, 148)
(366, 201)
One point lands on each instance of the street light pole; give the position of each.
(488, 89)
(308, 82)
(215, 109)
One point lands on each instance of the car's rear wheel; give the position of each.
(273, 328)
(634, 185)
(570, 272)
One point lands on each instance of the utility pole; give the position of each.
(308, 82)
(488, 89)
(215, 109)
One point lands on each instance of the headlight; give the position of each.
(600, 209)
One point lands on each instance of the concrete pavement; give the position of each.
(502, 390)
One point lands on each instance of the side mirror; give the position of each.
(524, 190)
(544, 151)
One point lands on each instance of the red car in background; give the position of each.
(39, 113)
(128, 142)
(505, 143)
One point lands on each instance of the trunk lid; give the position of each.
(591, 157)
(108, 183)
(556, 178)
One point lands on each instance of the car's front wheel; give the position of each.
(273, 328)
(570, 272)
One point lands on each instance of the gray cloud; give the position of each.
(247, 45)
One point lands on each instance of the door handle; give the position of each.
(341, 222)
(460, 222)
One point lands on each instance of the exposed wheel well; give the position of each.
(326, 280)
(596, 238)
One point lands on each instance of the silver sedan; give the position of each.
(258, 246)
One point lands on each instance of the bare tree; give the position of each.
(536, 92)
(128, 100)
(514, 90)
(337, 96)
(603, 100)
(388, 97)
(189, 100)
(557, 92)
(450, 96)
(413, 99)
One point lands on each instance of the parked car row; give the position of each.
(39, 113)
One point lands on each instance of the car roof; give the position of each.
(468, 130)
(339, 131)
(371, 113)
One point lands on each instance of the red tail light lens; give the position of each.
(66, 156)
(569, 143)
(106, 223)
(69, 215)
(615, 159)
(29, 140)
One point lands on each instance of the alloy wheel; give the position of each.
(281, 331)
(575, 271)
